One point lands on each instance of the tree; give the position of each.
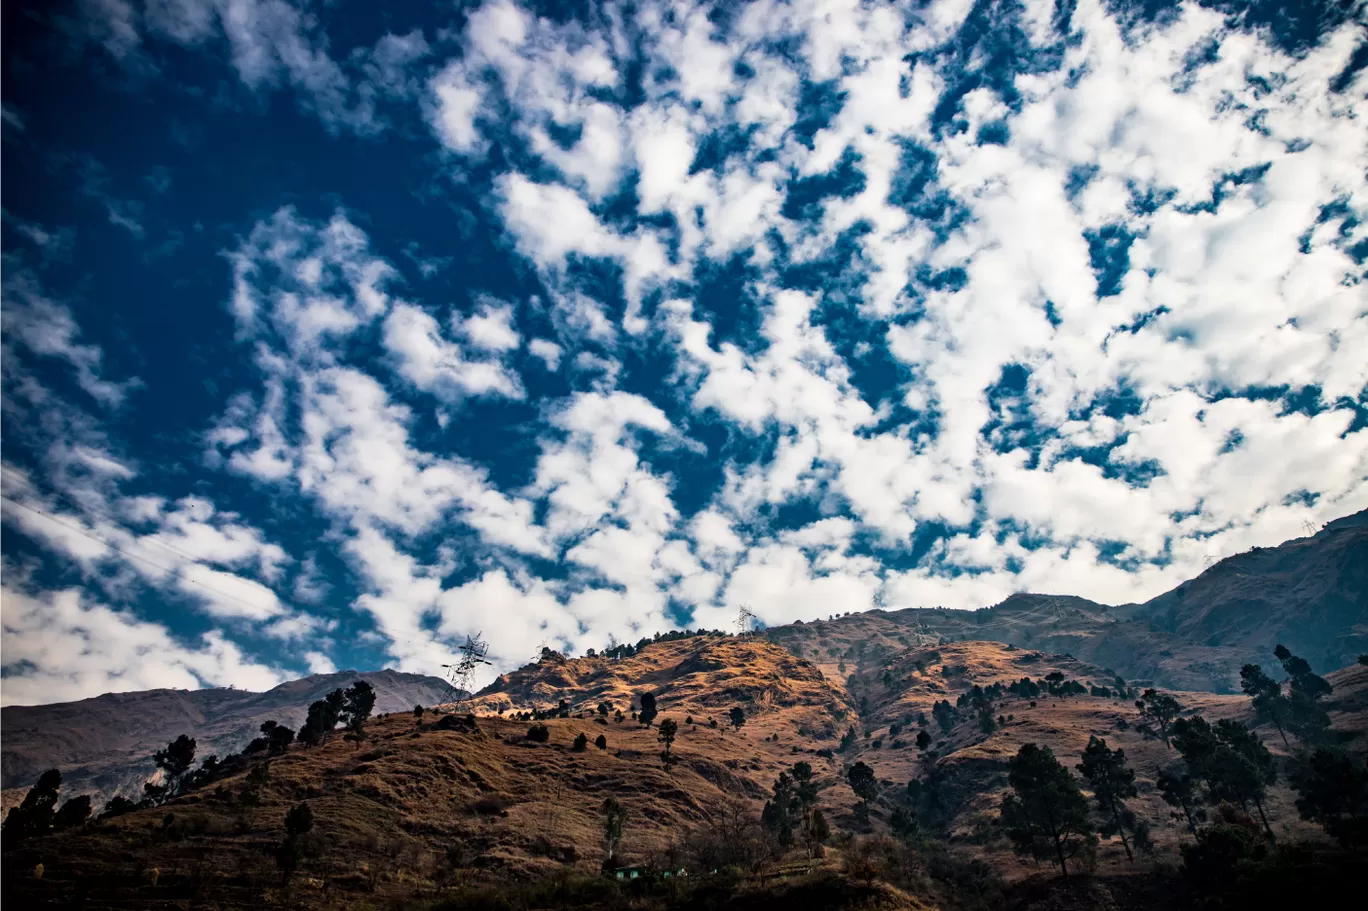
(1177, 787)
(1270, 704)
(357, 704)
(275, 739)
(1046, 815)
(35, 815)
(299, 822)
(668, 729)
(581, 742)
(1306, 718)
(1229, 759)
(604, 709)
(614, 818)
(945, 715)
(118, 805)
(418, 714)
(324, 714)
(648, 709)
(1112, 782)
(601, 742)
(1332, 790)
(1158, 711)
(737, 716)
(73, 813)
(815, 833)
(903, 822)
(923, 740)
(781, 812)
(539, 733)
(174, 761)
(864, 784)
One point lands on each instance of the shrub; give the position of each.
(601, 742)
(539, 733)
(581, 742)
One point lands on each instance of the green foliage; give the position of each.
(903, 822)
(357, 704)
(1158, 711)
(945, 715)
(39, 808)
(539, 733)
(1306, 718)
(614, 819)
(1230, 759)
(299, 822)
(848, 738)
(604, 709)
(863, 783)
(324, 714)
(1112, 783)
(1332, 790)
(581, 742)
(737, 716)
(1046, 815)
(668, 729)
(1270, 705)
(1179, 789)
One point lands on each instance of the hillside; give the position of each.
(422, 803)
(103, 746)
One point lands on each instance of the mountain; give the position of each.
(103, 746)
(451, 802)
(1310, 594)
(464, 800)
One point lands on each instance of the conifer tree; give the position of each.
(1046, 815)
(1112, 782)
(1158, 711)
(668, 729)
(648, 709)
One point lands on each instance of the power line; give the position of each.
(132, 556)
(72, 501)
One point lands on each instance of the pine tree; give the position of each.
(1178, 789)
(601, 742)
(1306, 718)
(1046, 816)
(1158, 711)
(1112, 782)
(357, 705)
(324, 714)
(738, 717)
(1270, 704)
(864, 784)
(668, 730)
(581, 742)
(648, 709)
(780, 811)
(1332, 790)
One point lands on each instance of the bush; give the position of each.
(539, 733)
(601, 742)
(581, 742)
(489, 805)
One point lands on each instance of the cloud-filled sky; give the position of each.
(334, 332)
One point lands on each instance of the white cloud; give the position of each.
(61, 646)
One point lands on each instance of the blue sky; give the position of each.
(334, 332)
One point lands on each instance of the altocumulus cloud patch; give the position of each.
(332, 335)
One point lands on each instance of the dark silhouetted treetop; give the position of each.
(1332, 790)
(73, 813)
(648, 709)
(668, 729)
(737, 716)
(35, 814)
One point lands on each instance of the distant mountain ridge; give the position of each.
(1310, 594)
(103, 746)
